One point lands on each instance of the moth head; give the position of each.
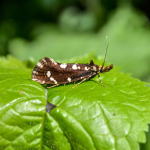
(105, 69)
(100, 68)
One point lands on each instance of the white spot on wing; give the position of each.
(63, 65)
(39, 64)
(78, 67)
(44, 60)
(74, 66)
(34, 79)
(69, 79)
(86, 68)
(34, 72)
(53, 61)
(48, 73)
(52, 79)
(43, 82)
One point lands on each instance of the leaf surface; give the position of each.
(113, 117)
(88, 116)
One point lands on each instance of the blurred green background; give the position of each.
(62, 29)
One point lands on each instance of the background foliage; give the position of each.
(32, 29)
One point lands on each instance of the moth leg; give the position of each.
(64, 84)
(53, 86)
(83, 80)
(101, 80)
(80, 82)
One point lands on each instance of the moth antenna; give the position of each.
(106, 47)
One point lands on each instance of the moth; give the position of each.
(48, 71)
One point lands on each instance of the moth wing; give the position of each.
(72, 74)
(47, 71)
(43, 69)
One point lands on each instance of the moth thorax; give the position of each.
(94, 68)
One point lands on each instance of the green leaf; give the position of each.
(88, 116)
(22, 107)
(112, 117)
(13, 68)
(10, 62)
(53, 136)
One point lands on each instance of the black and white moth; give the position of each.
(48, 71)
